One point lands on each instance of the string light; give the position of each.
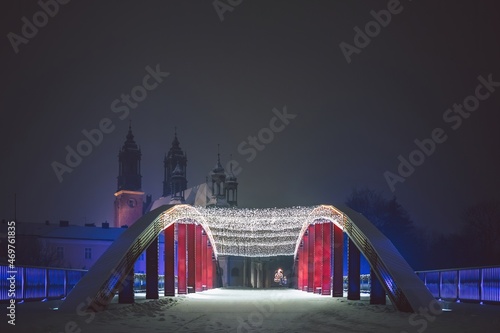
(254, 232)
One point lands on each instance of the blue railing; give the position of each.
(44, 283)
(140, 282)
(37, 283)
(476, 284)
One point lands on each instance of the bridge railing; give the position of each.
(44, 283)
(364, 283)
(140, 282)
(37, 283)
(475, 284)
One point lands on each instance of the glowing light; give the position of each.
(259, 232)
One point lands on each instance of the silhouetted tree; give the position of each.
(481, 233)
(476, 244)
(391, 219)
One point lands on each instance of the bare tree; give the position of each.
(481, 233)
(391, 219)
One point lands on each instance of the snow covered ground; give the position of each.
(248, 310)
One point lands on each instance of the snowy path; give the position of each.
(273, 310)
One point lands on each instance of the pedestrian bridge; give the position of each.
(313, 235)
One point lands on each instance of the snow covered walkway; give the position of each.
(249, 310)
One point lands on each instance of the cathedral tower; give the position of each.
(129, 195)
(175, 160)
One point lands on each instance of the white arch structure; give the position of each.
(250, 232)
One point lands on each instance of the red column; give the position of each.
(210, 266)
(318, 256)
(305, 261)
(191, 273)
(169, 262)
(198, 258)
(300, 254)
(181, 258)
(327, 254)
(338, 257)
(310, 269)
(204, 260)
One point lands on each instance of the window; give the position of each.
(141, 257)
(235, 272)
(60, 252)
(88, 253)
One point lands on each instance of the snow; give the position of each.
(251, 310)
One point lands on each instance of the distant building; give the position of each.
(129, 205)
(73, 246)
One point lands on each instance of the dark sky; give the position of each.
(352, 120)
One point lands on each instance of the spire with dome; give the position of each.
(231, 186)
(177, 181)
(173, 159)
(218, 176)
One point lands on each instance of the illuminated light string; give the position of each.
(253, 232)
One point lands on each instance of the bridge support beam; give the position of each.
(203, 260)
(198, 258)
(327, 263)
(126, 293)
(191, 271)
(338, 262)
(305, 262)
(181, 258)
(152, 270)
(299, 266)
(210, 266)
(353, 275)
(318, 257)
(169, 261)
(377, 292)
(310, 268)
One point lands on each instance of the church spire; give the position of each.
(218, 181)
(129, 162)
(177, 185)
(218, 166)
(175, 157)
(231, 186)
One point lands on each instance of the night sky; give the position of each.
(352, 120)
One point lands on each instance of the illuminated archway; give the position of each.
(250, 232)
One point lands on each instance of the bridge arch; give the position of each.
(96, 289)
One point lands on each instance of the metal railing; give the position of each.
(364, 283)
(45, 283)
(474, 284)
(140, 282)
(37, 283)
